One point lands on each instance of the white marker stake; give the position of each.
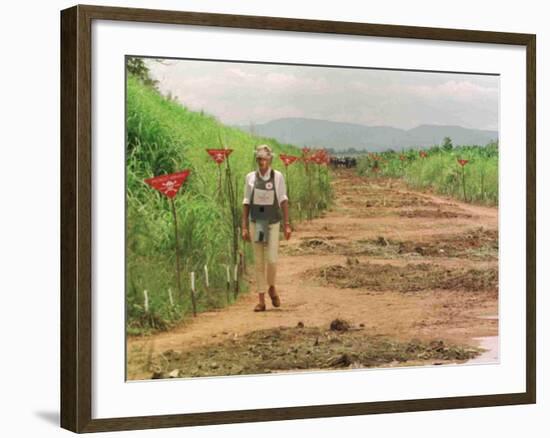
(228, 283)
(235, 274)
(171, 297)
(145, 300)
(206, 275)
(193, 294)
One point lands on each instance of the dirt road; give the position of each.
(412, 278)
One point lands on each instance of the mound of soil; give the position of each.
(299, 348)
(478, 243)
(339, 325)
(408, 278)
(316, 245)
(392, 199)
(433, 213)
(474, 244)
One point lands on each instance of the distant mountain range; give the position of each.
(342, 136)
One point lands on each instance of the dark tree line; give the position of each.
(138, 68)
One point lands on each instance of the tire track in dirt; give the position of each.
(376, 221)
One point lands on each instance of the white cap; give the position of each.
(264, 151)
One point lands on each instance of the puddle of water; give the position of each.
(490, 343)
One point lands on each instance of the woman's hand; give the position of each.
(288, 231)
(245, 234)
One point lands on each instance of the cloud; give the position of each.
(460, 90)
(242, 93)
(240, 73)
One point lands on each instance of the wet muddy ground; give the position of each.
(412, 278)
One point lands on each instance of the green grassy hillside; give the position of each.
(165, 137)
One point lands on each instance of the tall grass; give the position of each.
(440, 171)
(163, 137)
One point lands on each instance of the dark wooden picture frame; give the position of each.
(76, 217)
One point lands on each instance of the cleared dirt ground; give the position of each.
(388, 277)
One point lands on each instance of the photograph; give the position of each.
(290, 218)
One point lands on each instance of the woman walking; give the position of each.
(265, 198)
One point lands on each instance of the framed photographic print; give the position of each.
(270, 218)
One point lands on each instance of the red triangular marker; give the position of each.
(219, 155)
(168, 184)
(287, 159)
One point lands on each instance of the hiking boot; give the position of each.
(274, 297)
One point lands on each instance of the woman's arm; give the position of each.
(286, 219)
(283, 203)
(284, 207)
(244, 223)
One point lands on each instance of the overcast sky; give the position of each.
(241, 93)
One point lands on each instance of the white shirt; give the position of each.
(280, 185)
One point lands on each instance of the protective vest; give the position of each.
(265, 205)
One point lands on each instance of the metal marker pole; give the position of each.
(178, 271)
(319, 179)
(464, 183)
(232, 200)
(288, 195)
(287, 181)
(220, 181)
(310, 191)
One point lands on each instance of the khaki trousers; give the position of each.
(265, 257)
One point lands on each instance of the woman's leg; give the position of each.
(259, 266)
(272, 256)
(272, 253)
